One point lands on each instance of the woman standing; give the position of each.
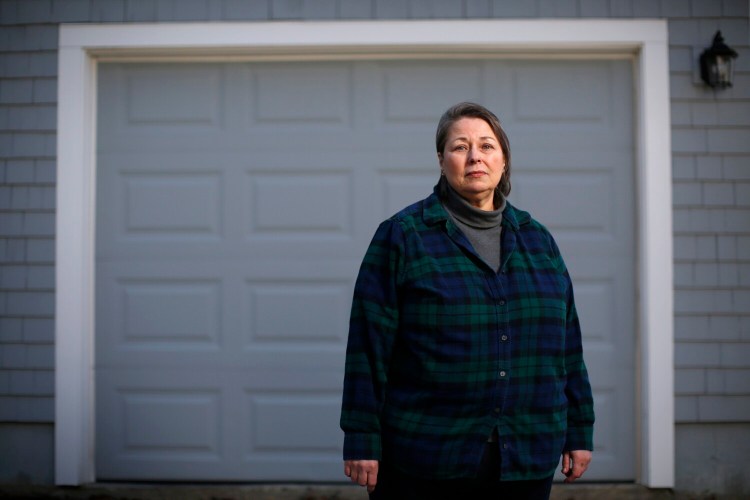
(464, 365)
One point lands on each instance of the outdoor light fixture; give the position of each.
(717, 63)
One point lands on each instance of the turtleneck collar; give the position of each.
(469, 214)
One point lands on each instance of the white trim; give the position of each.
(656, 322)
(82, 45)
(361, 35)
(74, 300)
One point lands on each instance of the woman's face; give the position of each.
(473, 161)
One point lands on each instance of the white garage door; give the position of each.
(235, 202)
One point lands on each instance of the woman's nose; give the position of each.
(474, 156)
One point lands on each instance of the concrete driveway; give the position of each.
(105, 491)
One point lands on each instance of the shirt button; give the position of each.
(502, 373)
(502, 302)
(505, 446)
(504, 338)
(497, 410)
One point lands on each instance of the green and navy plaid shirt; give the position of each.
(443, 349)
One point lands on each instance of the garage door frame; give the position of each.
(83, 46)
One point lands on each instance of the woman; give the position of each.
(464, 366)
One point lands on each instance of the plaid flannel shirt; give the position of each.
(443, 349)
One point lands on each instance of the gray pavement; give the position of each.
(107, 491)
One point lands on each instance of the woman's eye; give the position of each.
(460, 147)
(488, 146)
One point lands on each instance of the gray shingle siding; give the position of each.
(28, 95)
(711, 142)
(711, 172)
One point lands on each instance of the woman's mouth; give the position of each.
(476, 173)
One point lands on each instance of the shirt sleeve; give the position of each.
(578, 389)
(372, 330)
(580, 425)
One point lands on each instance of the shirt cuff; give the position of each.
(361, 446)
(579, 438)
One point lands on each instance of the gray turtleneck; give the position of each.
(482, 228)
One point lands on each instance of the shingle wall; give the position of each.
(28, 95)
(711, 193)
(711, 170)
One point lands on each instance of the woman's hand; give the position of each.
(362, 472)
(575, 463)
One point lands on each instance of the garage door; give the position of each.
(235, 202)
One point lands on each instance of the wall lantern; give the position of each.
(717, 63)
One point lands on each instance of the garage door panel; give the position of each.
(595, 302)
(170, 422)
(404, 84)
(235, 202)
(231, 270)
(171, 313)
(159, 315)
(283, 423)
(163, 204)
(300, 313)
(573, 201)
(254, 366)
(208, 425)
(159, 417)
(402, 188)
(305, 95)
(544, 146)
(132, 102)
(294, 430)
(307, 468)
(156, 201)
(605, 406)
(569, 108)
(199, 212)
(581, 95)
(212, 323)
(275, 200)
(567, 156)
(568, 97)
(299, 371)
(194, 96)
